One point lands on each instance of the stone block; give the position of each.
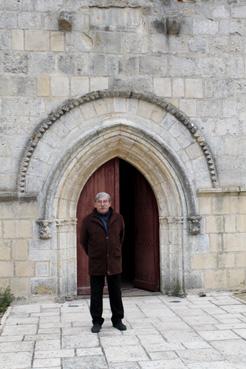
(5, 252)
(98, 83)
(224, 205)
(24, 5)
(153, 65)
(188, 106)
(79, 86)
(209, 108)
(129, 66)
(240, 259)
(20, 249)
(41, 63)
(136, 83)
(178, 87)
(135, 43)
(193, 151)
(15, 63)
(43, 85)
(42, 269)
(6, 269)
(82, 362)
(214, 224)
(9, 228)
(221, 11)
(20, 287)
(215, 279)
(30, 20)
(24, 229)
(48, 5)
(59, 86)
(20, 86)
(108, 42)
(24, 268)
(15, 360)
(17, 39)
(43, 285)
(226, 260)
(37, 40)
(193, 88)
(162, 87)
(5, 40)
(205, 205)
(144, 109)
(66, 64)
(234, 241)
(241, 223)
(157, 114)
(236, 278)
(205, 27)
(4, 283)
(204, 261)
(198, 45)
(182, 66)
(239, 11)
(57, 41)
(230, 223)
(8, 20)
(242, 205)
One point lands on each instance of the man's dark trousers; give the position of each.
(96, 301)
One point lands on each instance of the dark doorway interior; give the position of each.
(141, 247)
(127, 172)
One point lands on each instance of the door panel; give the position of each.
(146, 235)
(141, 247)
(105, 179)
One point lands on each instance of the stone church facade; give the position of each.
(159, 84)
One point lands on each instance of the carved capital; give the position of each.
(44, 228)
(194, 224)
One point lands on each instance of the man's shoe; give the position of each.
(96, 328)
(120, 326)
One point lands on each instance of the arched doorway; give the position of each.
(133, 196)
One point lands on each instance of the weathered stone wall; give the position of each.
(222, 263)
(125, 44)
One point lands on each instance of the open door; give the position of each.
(146, 236)
(105, 179)
(133, 197)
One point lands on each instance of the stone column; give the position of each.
(67, 256)
(171, 255)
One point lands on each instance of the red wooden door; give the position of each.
(146, 235)
(105, 179)
(142, 233)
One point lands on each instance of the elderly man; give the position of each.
(102, 236)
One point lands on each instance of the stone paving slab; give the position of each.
(163, 333)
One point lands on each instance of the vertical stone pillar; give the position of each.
(67, 257)
(171, 255)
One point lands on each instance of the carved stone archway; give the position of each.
(174, 196)
(149, 133)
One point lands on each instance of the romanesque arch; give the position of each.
(149, 133)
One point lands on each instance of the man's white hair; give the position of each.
(102, 195)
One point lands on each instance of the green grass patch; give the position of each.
(6, 297)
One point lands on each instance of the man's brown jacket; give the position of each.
(104, 251)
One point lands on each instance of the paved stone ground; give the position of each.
(163, 333)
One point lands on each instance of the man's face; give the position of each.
(102, 205)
